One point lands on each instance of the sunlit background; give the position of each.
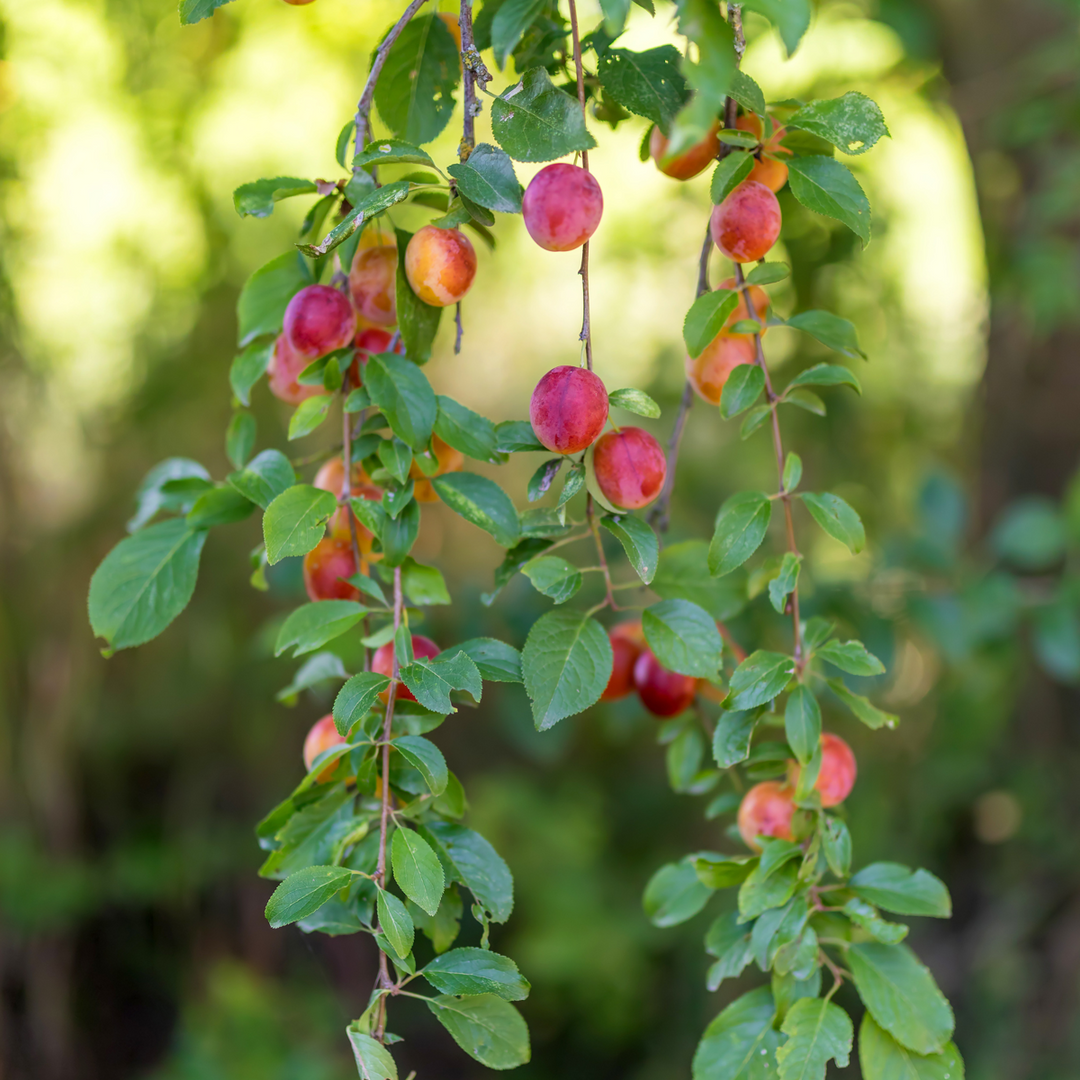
(133, 942)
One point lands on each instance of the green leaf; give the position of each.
(472, 971)
(373, 1060)
(766, 273)
(730, 943)
(399, 534)
(896, 888)
(635, 401)
(760, 678)
(535, 121)
(741, 139)
(836, 845)
(852, 657)
(818, 1032)
(760, 893)
(396, 923)
(257, 198)
(485, 1027)
(723, 871)
(883, 1058)
(414, 94)
(516, 436)
(683, 759)
(1030, 533)
(785, 581)
(901, 995)
(481, 501)
(824, 185)
(836, 333)
(424, 755)
(852, 123)
(638, 541)
(512, 19)
(866, 916)
(466, 431)
(804, 399)
(495, 660)
(417, 321)
(423, 585)
(741, 390)
(837, 519)
(248, 367)
(740, 1043)
(553, 577)
(869, 714)
(615, 15)
(293, 522)
(747, 93)
(417, 869)
(648, 83)
(304, 892)
(431, 681)
(706, 319)
(265, 295)
(192, 11)
(731, 740)
(574, 482)
(566, 663)
(729, 173)
(740, 527)
(802, 723)
(316, 671)
(309, 414)
(403, 394)
(218, 506)
(145, 582)
(826, 374)
(356, 698)
(675, 894)
(683, 637)
(391, 152)
(683, 573)
(487, 176)
(240, 438)
(311, 626)
(471, 860)
(790, 17)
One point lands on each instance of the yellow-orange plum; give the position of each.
(440, 265)
(709, 371)
(323, 736)
(690, 162)
(373, 284)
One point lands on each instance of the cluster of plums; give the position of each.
(767, 808)
(634, 667)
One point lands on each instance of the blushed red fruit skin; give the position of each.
(373, 284)
(758, 297)
(330, 560)
(319, 320)
(331, 476)
(664, 693)
(285, 365)
(630, 467)
(627, 641)
(440, 265)
(709, 371)
(339, 522)
(838, 770)
(562, 207)
(746, 224)
(449, 459)
(382, 662)
(569, 409)
(766, 810)
(689, 163)
(767, 169)
(369, 342)
(322, 736)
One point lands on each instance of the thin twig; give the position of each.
(583, 270)
(595, 530)
(473, 71)
(363, 108)
(736, 649)
(460, 328)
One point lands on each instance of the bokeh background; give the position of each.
(132, 939)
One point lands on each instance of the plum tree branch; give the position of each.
(473, 71)
(595, 530)
(583, 270)
(363, 108)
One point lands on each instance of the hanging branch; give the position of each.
(583, 270)
(473, 71)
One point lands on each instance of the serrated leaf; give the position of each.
(516, 436)
(395, 922)
(730, 944)
(574, 482)
(742, 388)
(495, 660)
(554, 577)
(486, 1027)
(424, 755)
(785, 581)
(404, 396)
(683, 637)
(469, 971)
(818, 1032)
(792, 471)
(790, 17)
(729, 173)
(731, 739)
(674, 894)
(512, 19)
(638, 541)
(724, 871)
(391, 152)
(740, 1043)
(373, 1060)
(683, 573)
(257, 198)
(740, 527)
(898, 889)
(826, 375)
(309, 414)
(304, 892)
(824, 185)
(766, 273)
(311, 626)
(747, 93)
(804, 399)
(852, 123)
(802, 723)
(293, 522)
(356, 697)
(248, 367)
(635, 401)
(706, 319)
(836, 845)
(487, 177)
(481, 501)
(648, 83)
(760, 678)
(566, 663)
(883, 1058)
(852, 657)
(465, 430)
(535, 121)
(431, 681)
(869, 714)
(261, 307)
(760, 893)
(417, 869)
(836, 333)
(867, 917)
(145, 582)
(472, 861)
(901, 995)
(317, 670)
(192, 11)
(370, 206)
(836, 518)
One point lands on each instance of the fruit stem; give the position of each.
(595, 530)
(460, 329)
(384, 979)
(778, 447)
(363, 108)
(583, 270)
